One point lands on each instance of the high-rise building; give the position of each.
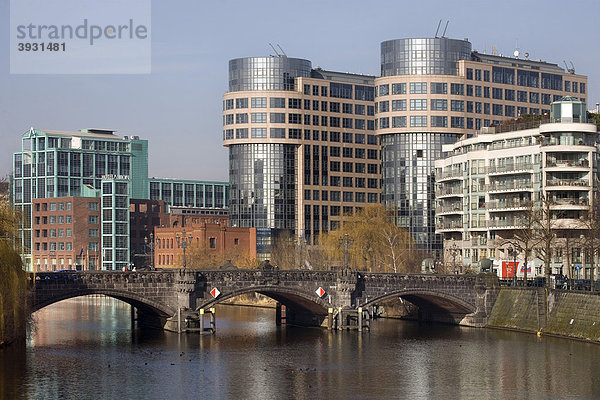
(435, 90)
(302, 146)
(487, 185)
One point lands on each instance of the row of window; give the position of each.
(53, 232)
(315, 105)
(294, 133)
(306, 119)
(474, 91)
(334, 195)
(53, 219)
(526, 78)
(54, 246)
(441, 121)
(61, 206)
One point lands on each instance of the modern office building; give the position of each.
(60, 164)
(487, 183)
(302, 146)
(433, 91)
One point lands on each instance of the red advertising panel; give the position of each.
(508, 269)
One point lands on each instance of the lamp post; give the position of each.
(513, 252)
(300, 241)
(150, 245)
(346, 242)
(183, 241)
(454, 251)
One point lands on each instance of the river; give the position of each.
(84, 348)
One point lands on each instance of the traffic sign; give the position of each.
(215, 293)
(320, 292)
(578, 267)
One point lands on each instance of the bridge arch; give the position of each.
(433, 305)
(293, 299)
(141, 303)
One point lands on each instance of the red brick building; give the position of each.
(144, 216)
(208, 233)
(66, 233)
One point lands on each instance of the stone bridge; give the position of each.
(459, 299)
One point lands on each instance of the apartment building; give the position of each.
(487, 183)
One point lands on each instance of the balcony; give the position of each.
(514, 186)
(504, 205)
(449, 175)
(449, 191)
(511, 168)
(449, 226)
(510, 223)
(449, 209)
(568, 182)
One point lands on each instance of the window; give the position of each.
(439, 121)
(522, 96)
(398, 105)
(334, 151)
(384, 90)
(228, 104)
(93, 232)
(347, 108)
(366, 93)
(277, 102)
(93, 206)
(258, 118)
(470, 73)
(359, 124)
(469, 106)
(546, 99)
(399, 122)
(277, 118)
(457, 122)
(212, 243)
(486, 92)
(241, 133)
(359, 153)
(52, 206)
(497, 93)
(503, 75)
(277, 133)
(581, 87)
(534, 97)
(241, 103)
(418, 120)
(457, 88)
(307, 89)
(370, 110)
(398, 88)
(93, 219)
(438, 88)
(497, 109)
(359, 138)
(334, 106)
(294, 103)
(258, 102)
(509, 94)
(478, 107)
(486, 108)
(334, 166)
(509, 111)
(439, 105)
(384, 123)
(418, 104)
(372, 154)
(477, 91)
(486, 76)
(347, 137)
(418, 87)
(259, 132)
(340, 90)
(359, 109)
(294, 118)
(457, 105)
(334, 122)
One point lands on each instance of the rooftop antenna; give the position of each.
(446, 27)
(283, 52)
(438, 28)
(494, 51)
(516, 52)
(275, 50)
(572, 70)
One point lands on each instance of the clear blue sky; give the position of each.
(178, 106)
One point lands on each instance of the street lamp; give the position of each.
(150, 245)
(454, 251)
(184, 242)
(513, 253)
(346, 242)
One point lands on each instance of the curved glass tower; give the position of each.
(412, 138)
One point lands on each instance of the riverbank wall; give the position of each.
(551, 312)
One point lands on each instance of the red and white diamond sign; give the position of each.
(215, 293)
(320, 292)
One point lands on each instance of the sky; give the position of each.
(177, 106)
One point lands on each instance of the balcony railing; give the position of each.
(509, 168)
(449, 190)
(565, 163)
(449, 174)
(449, 209)
(499, 204)
(511, 185)
(567, 182)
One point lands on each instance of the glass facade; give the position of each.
(409, 182)
(189, 193)
(263, 189)
(433, 56)
(115, 224)
(266, 73)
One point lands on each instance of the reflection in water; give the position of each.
(85, 348)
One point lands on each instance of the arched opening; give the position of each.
(300, 308)
(429, 306)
